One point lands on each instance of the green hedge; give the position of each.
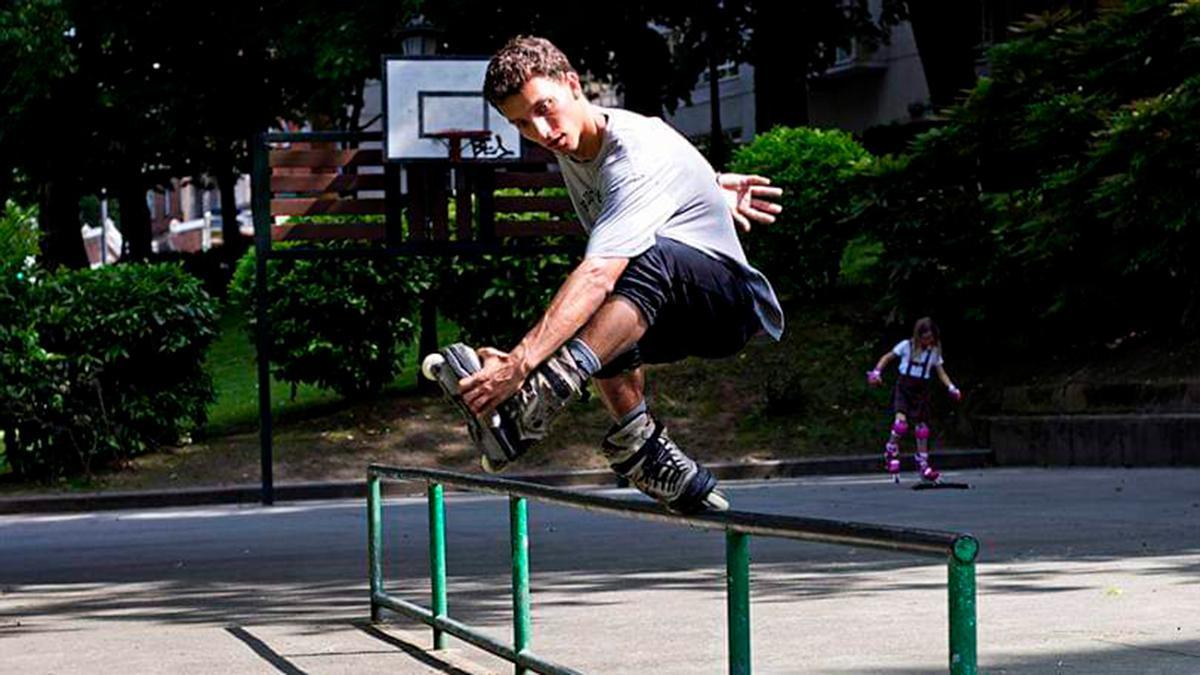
(496, 299)
(1060, 192)
(337, 324)
(801, 252)
(104, 365)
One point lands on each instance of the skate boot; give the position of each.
(521, 421)
(928, 473)
(641, 451)
(891, 460)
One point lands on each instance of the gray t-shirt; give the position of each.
(649, 181)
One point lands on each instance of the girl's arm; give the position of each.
(875, 377)
(941, 373)
(884, 360)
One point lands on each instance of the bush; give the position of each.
(496, 299)
(1059, 190)
(337, 324)
(801, 252)
(18, 237)
(19, 350)
(114, 368)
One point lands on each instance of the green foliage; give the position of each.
(1059, 191)
(802, 250)
(18, 238)
(111, 369)
(33, 51)
(496, 299)
(336, 324)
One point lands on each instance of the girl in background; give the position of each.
(920, 357)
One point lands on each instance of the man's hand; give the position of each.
(500, 378)
(749, 198)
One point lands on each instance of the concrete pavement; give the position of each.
(1082, 571)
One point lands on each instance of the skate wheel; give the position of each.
(430, 365)
(491, 467)
(716, 501)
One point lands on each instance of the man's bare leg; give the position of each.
(637, 446)
(614, 328)
(622, 393)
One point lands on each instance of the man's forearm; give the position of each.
(575, 302)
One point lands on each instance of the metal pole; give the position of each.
(961, 589)
(437, 559)
(519, 536)
(260, 184)
(737, 594)
(374, 541)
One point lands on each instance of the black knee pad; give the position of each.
(629, 361)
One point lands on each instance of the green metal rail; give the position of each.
(960, 550)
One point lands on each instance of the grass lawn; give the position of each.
(232, 363)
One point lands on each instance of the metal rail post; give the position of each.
(375, 542)
(961, 590)
(518, 521)
(437, 559)
(737, 582)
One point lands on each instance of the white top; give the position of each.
(920, 364)
(649, 181)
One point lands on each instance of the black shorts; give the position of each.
(695, 305)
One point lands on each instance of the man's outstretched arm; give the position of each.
(585, 289)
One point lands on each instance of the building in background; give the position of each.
(862, 90)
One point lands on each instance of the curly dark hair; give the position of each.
(520, 60)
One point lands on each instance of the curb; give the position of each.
(288, 492)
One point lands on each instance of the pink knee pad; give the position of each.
(922, 432)
(900, 427)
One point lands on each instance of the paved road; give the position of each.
(1082, 571)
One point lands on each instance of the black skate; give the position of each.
(521, 421)
(642, 452)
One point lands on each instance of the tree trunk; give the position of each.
(780, 69)
(135, 214)
(946, 46)
(716, 142)
(780, 96)
(643, 71)
(59, 215)
(233, 243)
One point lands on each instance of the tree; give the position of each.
(40, 131)
(1060, 188)
(947, 47)
(791, 42)
(127, 95)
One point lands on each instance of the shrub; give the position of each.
(335, 323)
(802, 250)
(18, 237)
(496, 299)
(115, 369)
(1059, 189)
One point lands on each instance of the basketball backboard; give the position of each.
(433, 104)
